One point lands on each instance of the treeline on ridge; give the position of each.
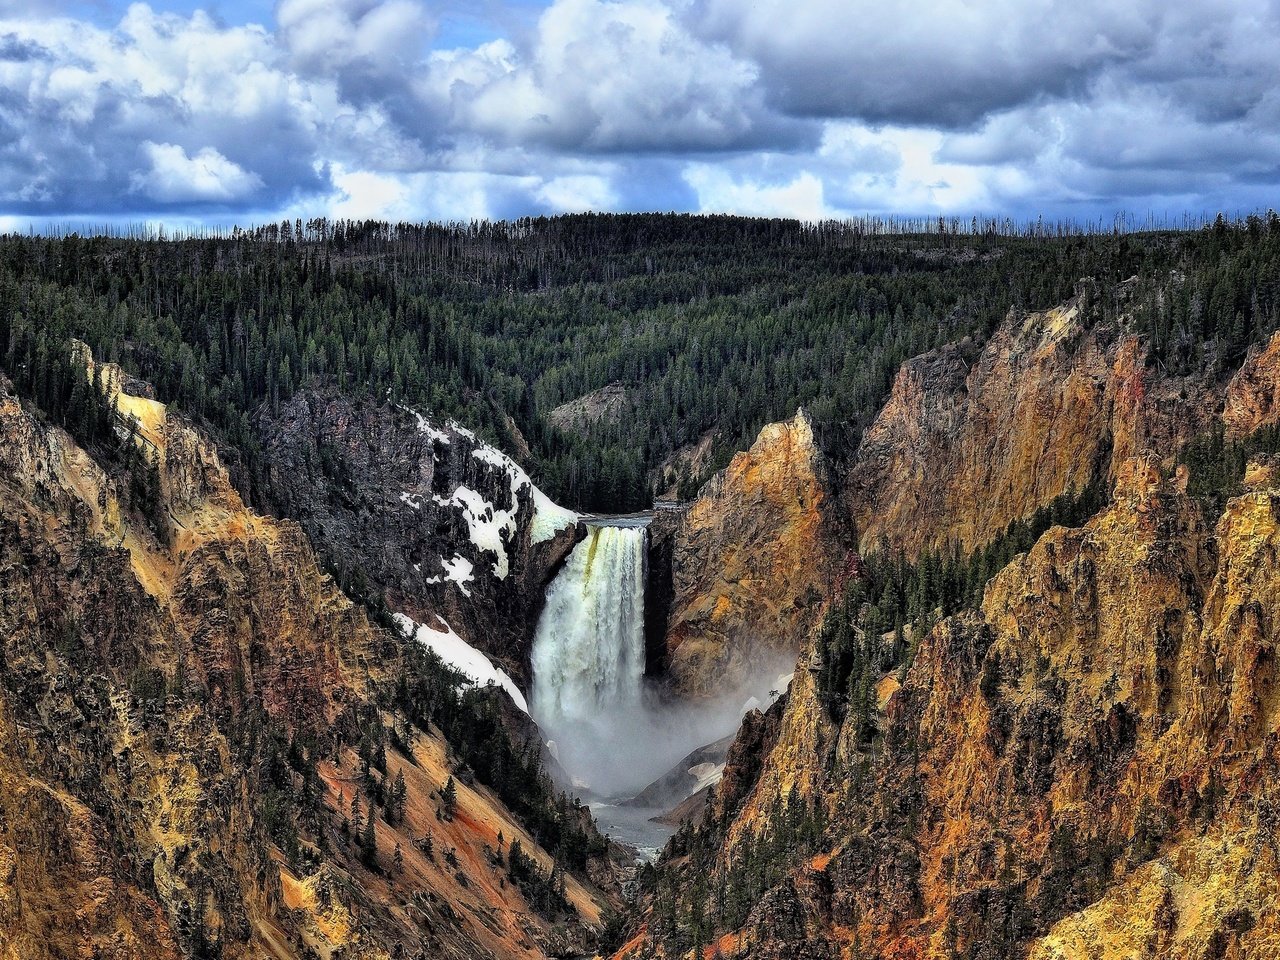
(714, 324)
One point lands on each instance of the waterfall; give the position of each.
(588, 655)
(611, 732)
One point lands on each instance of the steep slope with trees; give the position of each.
(210, 751)
(1038, 715)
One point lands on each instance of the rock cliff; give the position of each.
(1081, 767)
(188, 705)
(752, 560)
(1253, 396)
(972, 439)
(605, 405)
(424, 516)
(1078, 765)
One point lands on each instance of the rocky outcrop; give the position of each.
(678, 477)
(605, 405)
(424, 515)
(691, 774)
(971, 439)
(183, 698)
(1253, 395)
(752, 560)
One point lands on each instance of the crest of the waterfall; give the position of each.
(588, 655)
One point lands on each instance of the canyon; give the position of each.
(989, 673)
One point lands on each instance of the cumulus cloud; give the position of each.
(942, 62)
(85, 100)
(607, 75)
(324, 36)
(173, 176)
(807, 108)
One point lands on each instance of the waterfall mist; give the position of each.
(610, 730)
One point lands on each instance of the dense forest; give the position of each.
(714, 325)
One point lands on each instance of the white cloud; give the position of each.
(602, 76)
(322, 36)
(574, 194)
(208, 175)
(720, 192)
(806, 108)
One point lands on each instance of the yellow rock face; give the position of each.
(1115, 702)
(139, 672)
(1211, 895)
(1253, 395)
(962, 449)
(754, 560)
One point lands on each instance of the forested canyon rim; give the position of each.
(1015, 531)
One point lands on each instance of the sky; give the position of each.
(190, 112)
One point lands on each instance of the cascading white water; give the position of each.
(588, 654)
(589, 651)
(612, 733)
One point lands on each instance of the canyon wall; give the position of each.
(1050, 403)
(752, 559)
(185, 702)
(1081, 767)
(430, 519)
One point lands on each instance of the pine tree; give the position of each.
(369, 841)
(357, 820)
(395, 804)
(449, 799)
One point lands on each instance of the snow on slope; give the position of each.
(458, 570)
(549, 518)
(489, 528)
(461, 656)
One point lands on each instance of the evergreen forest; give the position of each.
(714, 326)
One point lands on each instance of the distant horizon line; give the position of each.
(323, 228)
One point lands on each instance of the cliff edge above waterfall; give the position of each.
(421, 515)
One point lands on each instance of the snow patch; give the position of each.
(427, 427)
(458, 428)
(461, 656)
(486, 524)
(706, 775)
(459, 571)
(549, 518)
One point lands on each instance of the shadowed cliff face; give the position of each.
(1050, 403)
(182, 695)
(752, 559)
(436, 521)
